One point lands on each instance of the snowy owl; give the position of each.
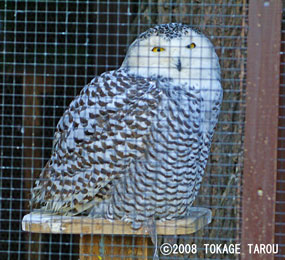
(134, 144)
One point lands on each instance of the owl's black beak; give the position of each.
(178, 65)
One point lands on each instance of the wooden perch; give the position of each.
(117, 240)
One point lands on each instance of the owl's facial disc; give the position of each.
(180, 59)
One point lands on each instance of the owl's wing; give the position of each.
(98, 136)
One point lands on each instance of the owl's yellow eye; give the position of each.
(191, 46)
(158, 49)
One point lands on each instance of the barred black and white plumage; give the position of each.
(134, 144)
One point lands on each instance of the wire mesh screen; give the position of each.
(50, 50)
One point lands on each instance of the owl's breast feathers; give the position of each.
(106, 129)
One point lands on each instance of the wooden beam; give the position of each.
(261, 127)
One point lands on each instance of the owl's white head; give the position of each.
(173, 51)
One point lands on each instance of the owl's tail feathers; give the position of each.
(54, 205)
(37, 194)
(151, 229)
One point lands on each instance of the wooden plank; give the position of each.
(261, 128)
(45, 223)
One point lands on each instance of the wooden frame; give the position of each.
(261, 128)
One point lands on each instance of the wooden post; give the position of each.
(261, 128)
(33, 87)
(114, 247)
(102, 239)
